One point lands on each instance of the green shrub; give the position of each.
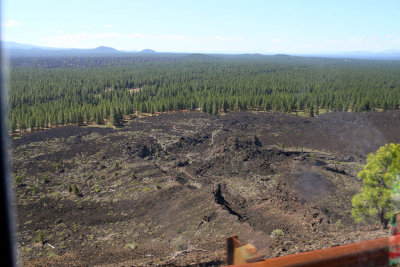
(46, 179)
(34, 190)
(18, 180)
(276, 232)
(57, 166)
(75, 189)
(131, 246)
(133, 175)
(39, 238)
(116, 165)
(339, 225)
(115, 173)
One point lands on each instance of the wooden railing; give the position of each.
(373, 252)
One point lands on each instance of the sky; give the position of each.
(213, 26)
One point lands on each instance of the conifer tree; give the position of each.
(379, 176)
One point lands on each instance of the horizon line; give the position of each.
(327, 53)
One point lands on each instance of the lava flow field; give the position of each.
(168, 189)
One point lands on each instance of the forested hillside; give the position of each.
(49, 91)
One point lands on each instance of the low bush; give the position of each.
(17, 180)
(276, 233)
(39, 238)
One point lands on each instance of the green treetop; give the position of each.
(379, 176)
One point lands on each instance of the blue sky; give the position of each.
(269, 26)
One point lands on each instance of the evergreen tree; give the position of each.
(379, 176)
(99, 117)
(311, 111)
(317, 110)
(13, 125)
(116, 117)
(79, 118)
(215, 108)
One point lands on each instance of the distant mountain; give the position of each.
(129, 51)
(383, 55)
(147, 51)
(14, 45)
(17, 49)
(105, 49)
(200, 57)
(388, 54)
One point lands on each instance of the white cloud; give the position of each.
(374, 43)
(60, 38)
(173, 37)
(138, 35)
(276, 40)
(79, 39)
(104, 35)
(223, 38)
(138, 41)
(356, 40)
(108, 26)
(332, 43)
(392, 41)
(11, 23)
(215, 39)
